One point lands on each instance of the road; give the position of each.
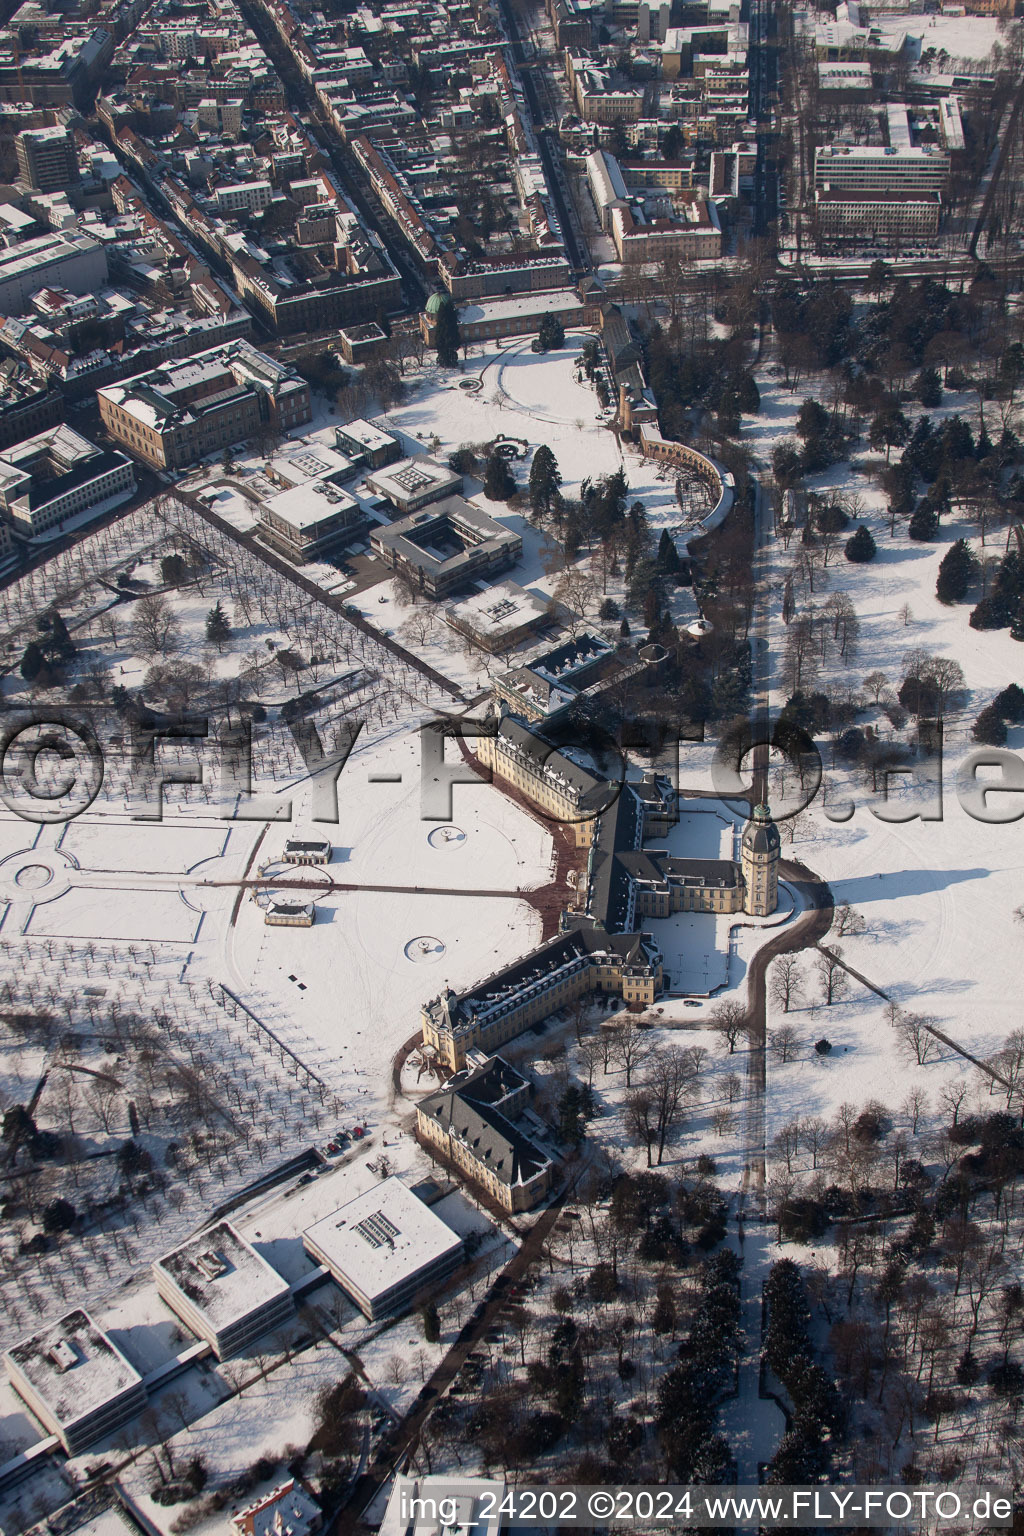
(403, 1441)
(763, 64)
(416, 282)
(544, 116)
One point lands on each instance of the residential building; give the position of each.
(46, 159)
(76, 1381)
(75, 262)
(222, 1289)
(244, 196)
(385, 1248)
(26, 406)
(287, 1510)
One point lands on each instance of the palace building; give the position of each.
(602, 946)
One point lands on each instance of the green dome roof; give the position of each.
(437, 302)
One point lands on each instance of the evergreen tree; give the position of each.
(57, 644)
(928, 388)
(218, 630)
(624, 629)
(431, 1322)
(446, 336)
(955, 573)
(31, 662)
(748, 394)
(499, 481)
(173, 570)
(667, 559)
(1010, 703)
(551, 334)
(544, 479)
(889, 429)
(861, 547)
(990, 728)
(924, 525)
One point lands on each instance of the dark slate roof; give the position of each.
(543, 756)
(656, 867)
(488, 1084)
(619, 830)
(494, 1141)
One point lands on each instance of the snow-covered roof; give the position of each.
(381, 1239)
(221, 1274)
(72, 1367)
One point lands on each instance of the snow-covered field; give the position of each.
(389, 943)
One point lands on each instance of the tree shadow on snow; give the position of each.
(901, 883)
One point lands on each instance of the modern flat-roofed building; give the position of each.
(413, 483)
(311, 521)
(46, 159)
(878, 168)
(384, 1248)
(367, 443)
(499, 618)
(181, 411)
(877, 218)
(58, 475)
(416, 1506)
(75, 262)
(359, 342)
(445, 546)
(76, 1382)
(223, 1289)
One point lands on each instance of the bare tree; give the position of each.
(727, 1019)
(631, 1047)
(916, 1038)
(641, 1119)
(952, 1096)
(669, 1080)
(876, 683)
(786, 1143)
(786, 981)
(815, 1135)
(722, 1120)
(914, 1106)
(589, 1053)
(846, 921)
(833, 977)
(155, 630)
(783, 1042)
